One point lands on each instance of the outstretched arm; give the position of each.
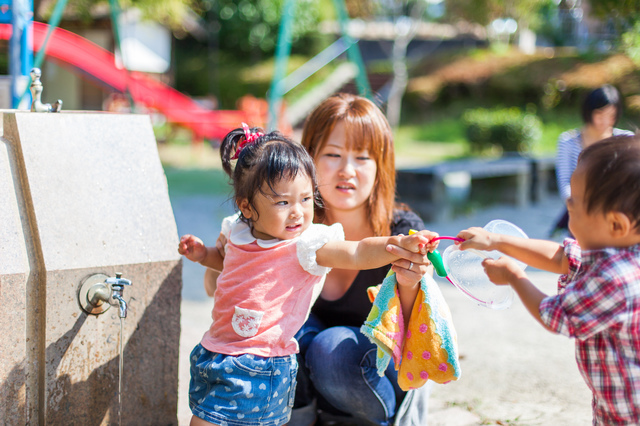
(194, 249)
(540, 254)
(505, 271)
(375, 252)
(370, 253)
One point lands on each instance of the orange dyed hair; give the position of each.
(366, 127)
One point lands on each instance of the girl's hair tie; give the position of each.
(249, 138)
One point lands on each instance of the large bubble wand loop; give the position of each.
(464, 270)
(436, 260)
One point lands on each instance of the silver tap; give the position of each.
(98, 292)
(117, 284)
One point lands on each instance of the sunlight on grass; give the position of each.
(183, 181)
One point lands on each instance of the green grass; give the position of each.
(444, 132)
(185, 181)
(555, 122)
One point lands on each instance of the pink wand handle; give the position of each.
(447, 238)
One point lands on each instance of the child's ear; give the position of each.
(619, 224)
(245, 208)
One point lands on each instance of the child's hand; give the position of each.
(476, 238)
(502, 271)
(192, 248)
(425, 246)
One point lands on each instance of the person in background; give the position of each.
(601, 110)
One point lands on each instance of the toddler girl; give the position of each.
(243, 371)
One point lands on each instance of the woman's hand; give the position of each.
(221, 242)
(408, 274)
(413, 265)
(410, 269)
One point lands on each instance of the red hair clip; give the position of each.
(249, 138)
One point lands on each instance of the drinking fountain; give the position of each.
(36, 94)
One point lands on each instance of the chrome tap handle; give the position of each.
(118, 280)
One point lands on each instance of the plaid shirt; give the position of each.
(598, 303)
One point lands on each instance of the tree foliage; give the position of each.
(627, 11)
(167, 12)
(525, 12)
(624, 15)
(247, 25)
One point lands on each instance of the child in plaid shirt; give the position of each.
(598, 300)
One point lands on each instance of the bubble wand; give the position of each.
(464, 270)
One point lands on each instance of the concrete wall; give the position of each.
(84, 194)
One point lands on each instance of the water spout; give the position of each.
(122, 305)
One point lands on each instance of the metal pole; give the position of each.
(283, 50)
(354, 51)
(115, 13)
(37, 62)
(21, 50)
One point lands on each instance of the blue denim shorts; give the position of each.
(242, 390)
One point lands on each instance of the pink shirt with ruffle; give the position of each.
(266, 290)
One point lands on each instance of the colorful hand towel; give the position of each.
(428, 350)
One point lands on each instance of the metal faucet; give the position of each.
(98, 292)
(117, 285)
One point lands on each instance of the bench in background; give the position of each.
(435, 191)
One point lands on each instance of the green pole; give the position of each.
(283, 50)
(354, 51)
(114, 9)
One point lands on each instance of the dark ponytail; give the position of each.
(252, 159)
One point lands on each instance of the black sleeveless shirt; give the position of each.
(353, 307)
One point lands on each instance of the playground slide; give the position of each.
(98, 65)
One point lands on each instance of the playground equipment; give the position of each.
(281, 84)
(98, 65)
(19, 13)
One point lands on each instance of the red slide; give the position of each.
(98, 65)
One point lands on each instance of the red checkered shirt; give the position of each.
(598, 303)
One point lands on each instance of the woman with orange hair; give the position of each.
(351, 143)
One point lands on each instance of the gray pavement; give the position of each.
(513, 371)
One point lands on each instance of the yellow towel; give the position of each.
(429, 348)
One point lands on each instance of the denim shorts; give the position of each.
(242, 390)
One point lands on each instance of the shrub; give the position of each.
(509, 128)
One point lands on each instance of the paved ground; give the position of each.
(513, 371)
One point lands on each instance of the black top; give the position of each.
(353, 308)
